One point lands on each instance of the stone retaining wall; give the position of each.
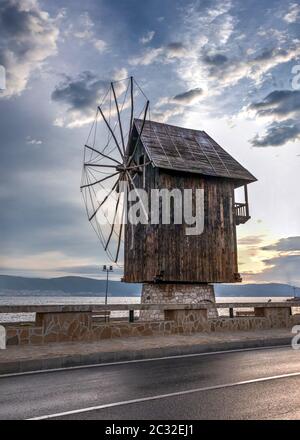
(63, 327)
(26, 334)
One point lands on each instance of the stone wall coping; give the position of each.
(258, 304)
(97, 308)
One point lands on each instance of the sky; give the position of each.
(231, 68)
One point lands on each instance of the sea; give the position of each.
(86, 300)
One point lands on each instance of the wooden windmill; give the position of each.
(172, 265)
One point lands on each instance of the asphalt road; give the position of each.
(255, 384)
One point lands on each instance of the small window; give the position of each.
(141, 161)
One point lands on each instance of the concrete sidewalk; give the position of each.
(17, 359)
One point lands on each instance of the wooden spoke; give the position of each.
(104, 200)
(137, 193)
(111, 131)
(99, 165)
(119, 118)
(139, 166)
(120, 237)
(113, 223)
(102, 154)
(132, 106)
(99, 181)
(140, 133)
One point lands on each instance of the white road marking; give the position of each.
(163, 396)
(108, 364)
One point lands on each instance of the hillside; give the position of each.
(12, 285)
(65, 285)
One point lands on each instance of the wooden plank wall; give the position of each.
(165, 253)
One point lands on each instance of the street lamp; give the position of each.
(107, 269)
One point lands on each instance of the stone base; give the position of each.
(160, 293)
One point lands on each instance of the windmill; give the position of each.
(127, 148)
(108, 165)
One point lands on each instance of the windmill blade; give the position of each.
(113, 223)
(99, 165)
(99, 181)
(120, 234)
(102, 154)
(104, 200)
(119, 118)
(111, 131)
(137, 193)
(132, 106)
(140, 133)
(139, 166)
(106, 164)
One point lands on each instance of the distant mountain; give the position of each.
(11, 285)
(265, 290)
(65, 285)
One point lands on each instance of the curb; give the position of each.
(78, 360)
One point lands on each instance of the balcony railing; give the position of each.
(241, 213)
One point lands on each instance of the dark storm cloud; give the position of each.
(13, 20)
(278, 103)
(189, 96)
(268, 53)
(28, 37)
(278, 133)
(81, 92)
(217, 59)
(175, 48)
(288, 244)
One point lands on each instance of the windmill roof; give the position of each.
(187, 150)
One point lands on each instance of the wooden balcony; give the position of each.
(241, 213)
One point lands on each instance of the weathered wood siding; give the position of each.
(166, 253)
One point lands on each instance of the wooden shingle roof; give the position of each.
(191, 151)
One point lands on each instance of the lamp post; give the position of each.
(107, 269)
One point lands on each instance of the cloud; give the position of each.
(81, 94)
(163, 54)
(278, 103)
(32, 141)
(100, 45)
(283, 269)
(175, 49)
(278, 133)
(188, 97)
(284, 265)
(166, 107)
(216, 59)
(293, 14)
(288, 244)
(83, 30)
(166, 114)
(28, 37)
(147, 37)
(251, 240)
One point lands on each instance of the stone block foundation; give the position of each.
(165, 293)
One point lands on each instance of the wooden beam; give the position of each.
(246, 200)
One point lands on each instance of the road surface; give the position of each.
(247, 384)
